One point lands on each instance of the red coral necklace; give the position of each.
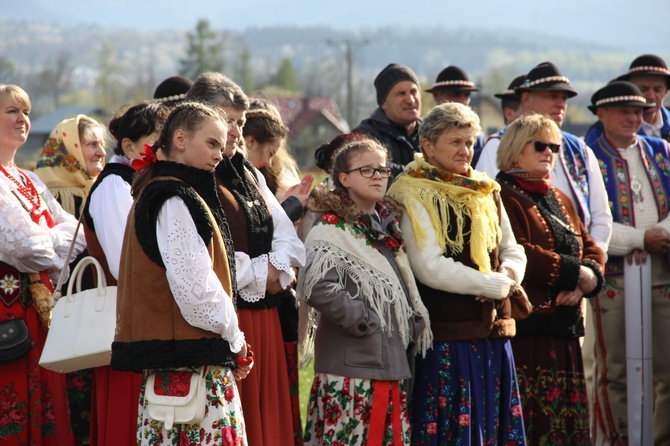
(30, 193)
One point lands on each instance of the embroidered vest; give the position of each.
(617, 182)
(249, 217)
(151, 331)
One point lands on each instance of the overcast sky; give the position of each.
(606, 22)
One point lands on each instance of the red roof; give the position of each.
(298, 112)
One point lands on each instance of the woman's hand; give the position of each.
(569, 298)
(301, 190)
(273, 285)
(244, 363)
(587, 280)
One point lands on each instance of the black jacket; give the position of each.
(394, 137)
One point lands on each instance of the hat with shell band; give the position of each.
(618, 93)
(509, 93)
(172, 89)
(649, 65)
(546, 77)
(453, 78)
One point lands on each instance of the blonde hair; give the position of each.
(446, 117)
(521, 131)
(17, 93)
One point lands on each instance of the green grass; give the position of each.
(305, 377)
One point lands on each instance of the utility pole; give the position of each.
(348, 46)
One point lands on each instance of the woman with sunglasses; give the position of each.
(564, 265)
(467, 263)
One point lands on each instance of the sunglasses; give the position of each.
(541, 146)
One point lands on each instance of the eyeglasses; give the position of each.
(369, 172)
(541, 146)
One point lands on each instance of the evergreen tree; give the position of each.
(245, 73)
(286, 77)
(205, 51)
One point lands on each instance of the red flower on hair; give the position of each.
(148, 157)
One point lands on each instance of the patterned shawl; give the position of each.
(444, 194)
(62, 167)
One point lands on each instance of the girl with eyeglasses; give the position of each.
(564, 265)
(360, 308)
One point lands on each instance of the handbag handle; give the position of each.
(61, 277)
(78, 273)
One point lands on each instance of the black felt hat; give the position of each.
(510, 93)
(545, 77)
(172, 89)
(647, 64)
(618, 93)
(453, 78)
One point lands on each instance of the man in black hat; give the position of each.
(454, 85)
(651, 75)
(510, 102)
(638, 184)
(395, 123)
(546, 91)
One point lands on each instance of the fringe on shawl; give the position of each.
(66, 197)
(380, 293)
(438, 199)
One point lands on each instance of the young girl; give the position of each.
(175, 314)
(113, 412)
(358, 280)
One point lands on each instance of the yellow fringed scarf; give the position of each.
(439, 192)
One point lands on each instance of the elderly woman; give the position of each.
(564, 265)
(466, 261)
(70, 161)
(35, 236)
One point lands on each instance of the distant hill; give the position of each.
(491, 56)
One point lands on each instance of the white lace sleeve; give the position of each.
(196, 288)
(252, 276)
(287, 251)
(32, 247)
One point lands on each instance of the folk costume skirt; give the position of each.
(356, 412)
(466, 393)
(223, 424)
(114, 407)
(265, 391)
(553, 389)
(33, 400)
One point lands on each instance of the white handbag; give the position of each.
(170, 410)
(82, 325)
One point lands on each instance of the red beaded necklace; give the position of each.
(28, 191)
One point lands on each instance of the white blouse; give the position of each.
(31, 247)
(432, 268)
(287, 252)
(195, 287)
(109, 206)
